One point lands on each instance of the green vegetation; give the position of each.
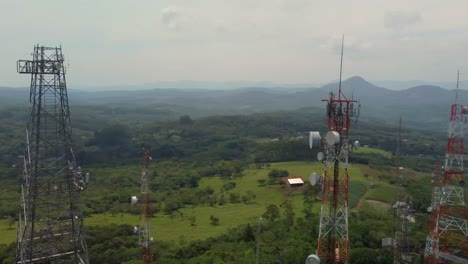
(382, 193)
(212, 178)
(7, 231)
(356, 190)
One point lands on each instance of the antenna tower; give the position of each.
(50, 226)
(144, 236)
(447, 241)
(402, 212)
(333, 241)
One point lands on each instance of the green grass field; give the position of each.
(356, 190)
(382, 192)
(375, 207)
(8, 235)
(373, 151)
(177, 227)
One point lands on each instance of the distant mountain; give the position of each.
(208, 85)
(423, 106)
(402, 85)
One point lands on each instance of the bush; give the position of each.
(214, 220)
(275, 174)
(228, 186)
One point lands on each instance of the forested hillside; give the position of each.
(206, 169)
(423, 107)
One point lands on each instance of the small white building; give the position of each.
(295, 182)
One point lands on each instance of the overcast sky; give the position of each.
(116, 42)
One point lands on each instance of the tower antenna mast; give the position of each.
(402, 210)
(448, 231)
(333, 240)
(144, 230)
(341, 67)
(50, 226)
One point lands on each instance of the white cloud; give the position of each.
(399, 20)
(351, 44)
(276, 40)
(170, 17)
(221, 26)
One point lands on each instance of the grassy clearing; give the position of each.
(177, 227)
(382, 193)
(375, 207)
(356, 190)
(372, 151)
(268, 194)
(8, 235)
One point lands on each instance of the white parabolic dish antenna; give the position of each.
(333, 138)
(313, 178)
(320, 156)
(356, 144)
(429, 209)
(134, 200)
(314, 139)
(313, 259)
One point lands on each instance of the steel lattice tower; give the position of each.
(144, 235)
(50, 220)
(449, 228)
(333, 241)
(402, 208)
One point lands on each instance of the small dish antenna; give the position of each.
(465, 109)
(314, 139)
(332, 138)
(320, 156)
(313, 178)
(429, 209)
(356, 144)
(313, 259)
(134, 200)
(57, 66)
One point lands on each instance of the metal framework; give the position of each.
(144, 235)
(402, 227)
(447, 241)
(402, 213)
(51, 226)
(333, 241)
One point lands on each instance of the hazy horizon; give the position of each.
(240, 84)
(107, 43)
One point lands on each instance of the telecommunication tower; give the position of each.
(144, 235)
(333, 241)
(447, 241)
(402, 212)
(50, 228)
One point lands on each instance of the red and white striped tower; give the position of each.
(447, 241)
(333, 241)
(143, 230)
(145, 239)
